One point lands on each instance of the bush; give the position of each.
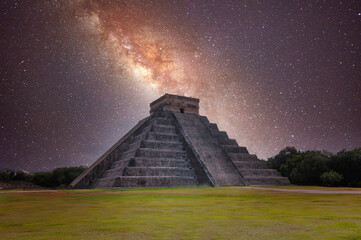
(282, 157)
(331, 178)
(57, 177)
(42, 179)
(22, 176)
(348, 163)
(6, 175)
(308, 168)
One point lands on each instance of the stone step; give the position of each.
(252, 164)
(229, 142)
(162, 136)
(162, 118)
(114, 172)
(144, 130)
(234, 149)
(223, 135)
(158, 171)
(105, 182)
(268, 180)
(210, 153)
(163, 121)
(160, 153)
(139, 137)
(160, 162)
(128, 154)
(213, 128)
(163, 129)
(134, 145)
(120, 164)
(259, 172)
(204, 119)
(162, 144)
(242, 156)
(147, 181)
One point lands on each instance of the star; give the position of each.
(77, 75)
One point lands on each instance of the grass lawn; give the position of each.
(179, 213)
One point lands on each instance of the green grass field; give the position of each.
(179, 213)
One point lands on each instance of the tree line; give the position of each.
(54, 178)
(302, 168)
(319, 167)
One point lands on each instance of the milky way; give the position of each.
(77, 75)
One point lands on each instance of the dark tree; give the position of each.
(282, 157)
(308, 168)
(6, 175)
(347, 163)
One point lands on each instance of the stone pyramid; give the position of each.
(175, 146)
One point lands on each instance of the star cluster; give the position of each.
(76, 75)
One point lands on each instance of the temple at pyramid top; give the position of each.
(175, 103)
(175, 146)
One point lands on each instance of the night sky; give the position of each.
(76, 75)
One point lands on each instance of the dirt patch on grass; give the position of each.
(310, 191)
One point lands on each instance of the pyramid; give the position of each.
(175, 146)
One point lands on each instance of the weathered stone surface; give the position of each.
(176, 103)
(253, 170)
(176, 147)
(220, 167)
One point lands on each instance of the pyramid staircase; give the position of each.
(155, 157)
(253, 170)
(220, 168)
(175, 146)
